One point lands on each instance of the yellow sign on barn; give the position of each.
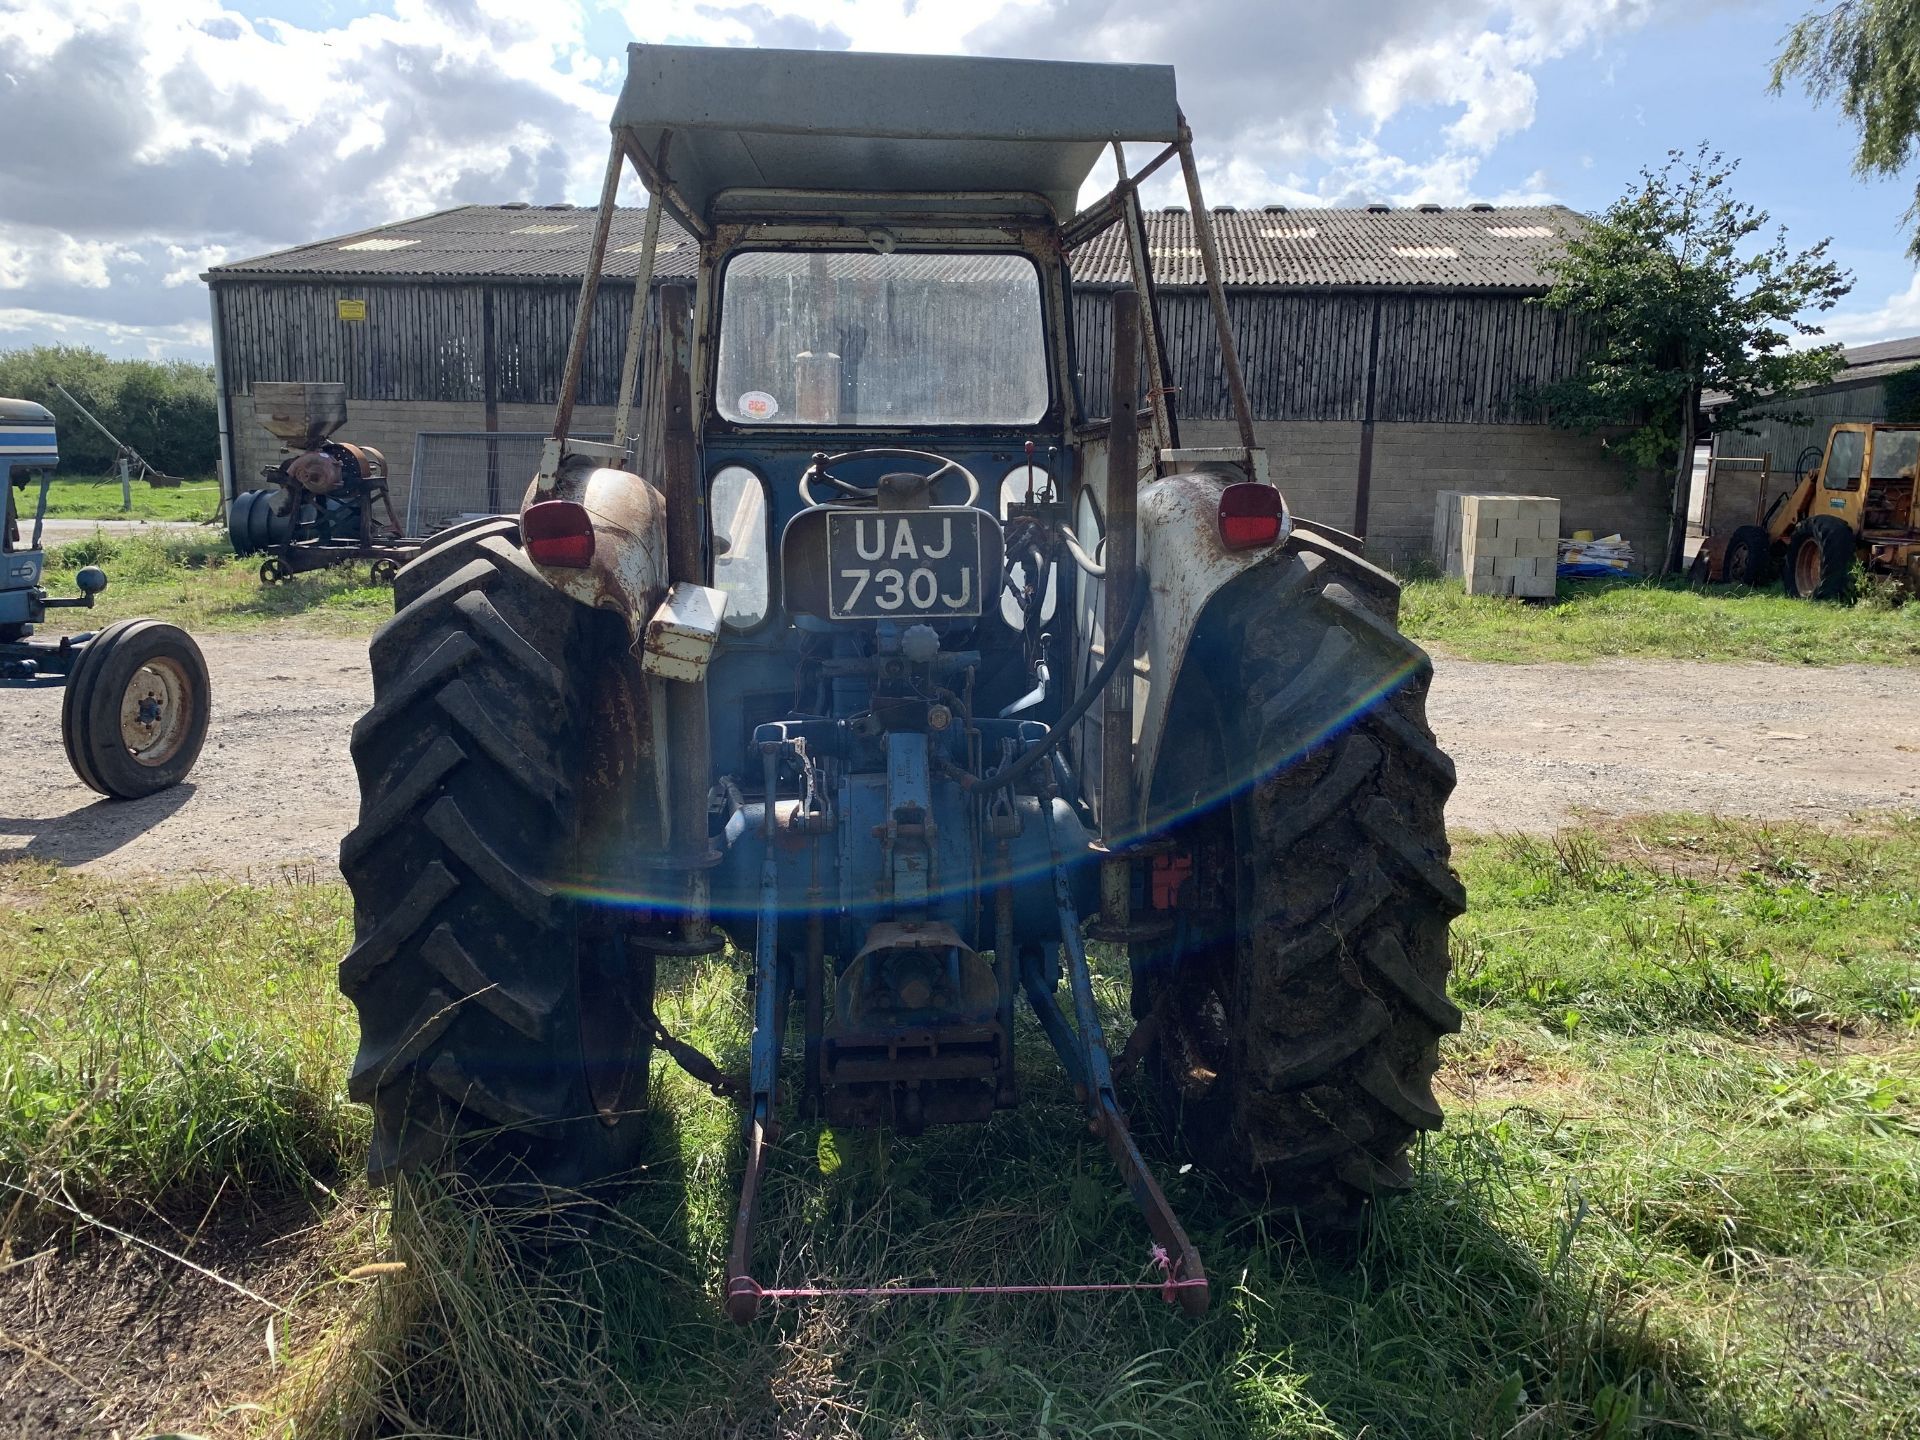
(352, 309)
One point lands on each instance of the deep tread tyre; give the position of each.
(134, 714)
(445, 553)
(1299, 1041)
(1749, 557)
(1819, 563)
(500, 1038)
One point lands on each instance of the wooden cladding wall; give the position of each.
(1441, 358)
(417, 342)
(1454, 359)
(421, 342)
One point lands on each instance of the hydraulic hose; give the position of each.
(1119, 647)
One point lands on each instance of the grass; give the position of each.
(157, 1047)
(1678, 1193)
(97, 497)
(196, 581)
(1666, 620)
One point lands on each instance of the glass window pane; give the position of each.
(739, 512)
(1843, 460)
(860, 338)
(1895, 453)
(1091, 532)
(1014, 489)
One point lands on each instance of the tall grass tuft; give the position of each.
(160, 1047)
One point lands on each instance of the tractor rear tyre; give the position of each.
(1749, 557)
(1297, 1042)
(134, 713)
(502, 1036)
(1819, 564)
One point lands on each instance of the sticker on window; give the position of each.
(758, 405)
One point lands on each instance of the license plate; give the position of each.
(919, 563)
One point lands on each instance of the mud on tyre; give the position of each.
(500, 1035)
(1298, 1031)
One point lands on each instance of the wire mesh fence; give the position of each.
(458, 474)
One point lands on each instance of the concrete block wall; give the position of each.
(1413, 463)
(1313, 463)
(1317, 465)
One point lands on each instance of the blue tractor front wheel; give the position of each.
(134, 714)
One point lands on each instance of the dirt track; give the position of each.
(1533, 743)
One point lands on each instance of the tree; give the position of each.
(1685, 300)
(1867, 53)
(164, 409)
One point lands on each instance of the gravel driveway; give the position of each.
(274, 788)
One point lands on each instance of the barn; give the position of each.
(1389, 352)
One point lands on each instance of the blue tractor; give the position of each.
(134, 714)
(880, 656)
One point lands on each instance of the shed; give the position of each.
(1755, 463)
(1388, 351)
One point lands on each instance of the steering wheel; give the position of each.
(865, 494)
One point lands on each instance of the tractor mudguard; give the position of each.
(626, 567)
(1188, 565)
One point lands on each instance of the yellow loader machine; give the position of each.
(1857, 504)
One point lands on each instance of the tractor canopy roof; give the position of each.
(780, 121)
(24, 412)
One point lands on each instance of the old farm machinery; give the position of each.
(1853, 505)
(324, 502)
(900, 670)
(134, 714)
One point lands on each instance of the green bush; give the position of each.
(165, 409)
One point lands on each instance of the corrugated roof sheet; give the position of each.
(1860, 365)
(1472, 248)
(1444, 248)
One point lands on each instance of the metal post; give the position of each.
(1149, 321)
(1116, 724)
(1363, 481)
(686, 563)
(126, 484)
(1005, 967)
(1216, 293)
(220, 398)
(637, 324)
(589, 287)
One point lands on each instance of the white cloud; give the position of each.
(1288, 89)
(149, 342)
(31, 254)
(1896, 318)
(191, 262)
(148, 139)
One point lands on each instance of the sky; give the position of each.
(142, 141)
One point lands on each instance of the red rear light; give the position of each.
(1249, 516)
(558, 532)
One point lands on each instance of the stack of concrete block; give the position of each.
(1498, 544)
